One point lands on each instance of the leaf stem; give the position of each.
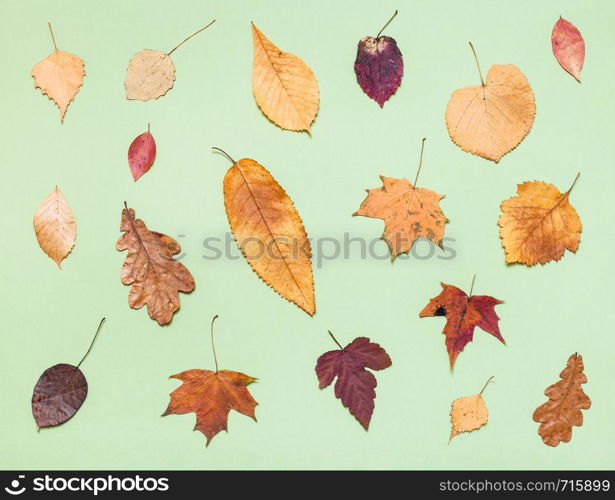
(53, 38)
(486, 384)
(225, 154)
(418, 171)
(335, 340)
(472, 285)
(213, 347)
(388, 22)
(573, 183)
(92, 343)
(148, 127)
(480, 73)
(188, 38)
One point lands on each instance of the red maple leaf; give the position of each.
(355, 385)
(463, 314)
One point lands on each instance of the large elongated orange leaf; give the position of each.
(59, 76)
(156, 277)
(538, 224)
(269, 232)
(55, 226)
(491, 119)
(284, 87)
(566, 400)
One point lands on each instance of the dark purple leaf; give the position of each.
(379, 67)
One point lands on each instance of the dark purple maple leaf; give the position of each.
(379, 66)
(355, 385)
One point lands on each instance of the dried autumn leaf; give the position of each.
(563, 409)
(463, 314)
(151, 73)
(379, 66)
(55, 226)
(212, 395)
(568, 47)
(468, 413)
(156, 277)
(409, 213)
(60, 391)
(284, 87)
(355, 385)
(269, 231)
(538, 224)
(141, 154)
(491, 119)
(59, 76)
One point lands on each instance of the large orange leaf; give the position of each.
(566, 400)
(491, 119)
(284, 87)
(55, 226)
(156, 277)
(538, 224)
(59, 76)
(269, 232)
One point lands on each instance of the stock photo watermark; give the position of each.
(323, 249)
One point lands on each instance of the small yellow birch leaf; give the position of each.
(469, 413)
(55, 226)
(284, 87)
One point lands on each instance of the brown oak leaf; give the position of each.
(156, 277)
(566, 400)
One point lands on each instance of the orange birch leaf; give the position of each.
(59, 76)
(55, 226)
(491, 119)
(563, 409)
(469, 413)
(538, 224)
(156, 278)
(284, 87)
(408, 212)
(269, 232)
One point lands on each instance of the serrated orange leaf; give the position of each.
(491, 119)
(284, 87)
(59, 76)
(55, 226)
(269, 232)
(538, 224)
(469, 413)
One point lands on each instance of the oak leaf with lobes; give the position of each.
(355, 385)
(59, 76)
(283, 85)
(156, 278)
(212, 395)
(379, 66)
(463, 314)
(566, 400)
(409, 213)
(568, 47)
(151, 73)
(539, 224)
(269, 231)
(491, 119)
(55, 226)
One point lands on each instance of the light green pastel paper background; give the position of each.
(49, 316)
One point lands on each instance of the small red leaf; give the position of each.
(568, 47)
(355, 385)
(58, 394)
(141, 154)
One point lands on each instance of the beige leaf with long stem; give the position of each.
(492, 118)
(469, 413)
(55, 226)
(269, 231)
(284, 86)
(151, 73)
(59, 76)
